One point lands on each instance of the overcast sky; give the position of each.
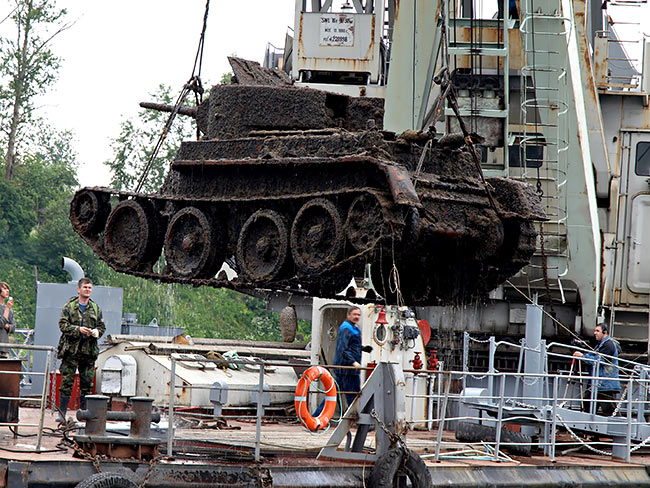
(119, 51)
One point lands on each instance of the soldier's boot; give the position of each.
(82, 403)
(63, 409)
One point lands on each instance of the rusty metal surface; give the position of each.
(9, 387)
(281, 166)
(251, 73)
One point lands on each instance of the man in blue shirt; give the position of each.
(609, 386)
(348, 353)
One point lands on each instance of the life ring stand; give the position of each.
(315, 373)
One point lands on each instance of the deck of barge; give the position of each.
(215, 457)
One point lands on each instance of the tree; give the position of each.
(30, 67)
(137, 139)
(226, 78)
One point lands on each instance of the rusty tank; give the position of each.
(299, 190)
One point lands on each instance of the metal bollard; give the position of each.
(94, 415)
(142, 417)
(97, 414)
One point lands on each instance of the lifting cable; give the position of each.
(448, 92)
(193, 85)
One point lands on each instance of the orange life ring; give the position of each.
(302, 390)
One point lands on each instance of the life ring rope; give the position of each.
(331, 391)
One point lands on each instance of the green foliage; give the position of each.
(134, 145)
(28, 68)
(226, 78)
(34, 228)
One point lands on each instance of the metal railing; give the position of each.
(432, 410)
(628, 432)
(556, 407)
(43, 397)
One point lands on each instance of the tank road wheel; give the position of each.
(131, 236)
(191, 246)
(88, 211)
(263, 245)
(316, 236)
(365, 224)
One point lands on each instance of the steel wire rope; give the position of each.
(193, 84)
(9, 15)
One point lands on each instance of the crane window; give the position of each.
(534, 156)
(642, 167)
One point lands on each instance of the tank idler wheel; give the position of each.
(263, 245)
(365, 224)
(316, 236)
(88, 211)
(191, 246)
(131, 236)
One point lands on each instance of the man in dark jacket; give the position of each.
(81, 324)
(348, 353)
(606, 368)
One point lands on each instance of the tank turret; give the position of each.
(300, 189)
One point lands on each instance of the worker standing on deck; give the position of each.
(7, 322)
(81, 324)
(348, 353)
(607, 389)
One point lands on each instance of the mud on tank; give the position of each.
(299, 189)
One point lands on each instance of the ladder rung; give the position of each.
(485, 50)
(481, 112)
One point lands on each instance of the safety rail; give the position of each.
(557, 407)
(173, 410)
(43, 397)
(628, 432)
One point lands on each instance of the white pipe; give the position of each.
(73, 269)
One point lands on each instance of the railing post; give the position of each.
(640, 398)
(491, 369)
(502, 390)
(628, 433)
(430, 384)
(518, 378)
(438, 378)
(554, 420)
(170, 417)
(465, 359)
(260, 407)
(441, 418)
(413, 400)
(594, 387)
(46, 384)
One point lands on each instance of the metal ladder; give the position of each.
(544, 140)
(494, 52)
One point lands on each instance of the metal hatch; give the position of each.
(638, 265)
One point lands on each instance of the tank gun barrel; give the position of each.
(163, 107)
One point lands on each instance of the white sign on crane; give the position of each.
(337, 30)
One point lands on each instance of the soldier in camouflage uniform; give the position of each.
(81, 324)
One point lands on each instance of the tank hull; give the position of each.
(300, 206)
